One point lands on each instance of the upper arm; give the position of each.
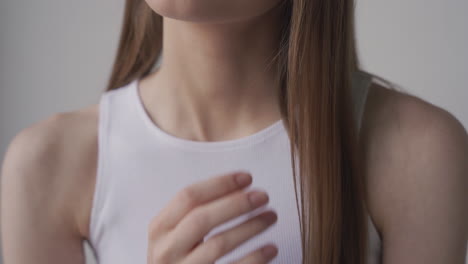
(417, 156)
(37, 223)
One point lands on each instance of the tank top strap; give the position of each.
(118, 126)
(361, 82)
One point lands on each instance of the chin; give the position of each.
(211, 11)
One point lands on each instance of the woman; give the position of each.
(265, 94)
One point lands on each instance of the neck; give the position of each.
(216, 78)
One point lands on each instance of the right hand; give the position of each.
(176, 233)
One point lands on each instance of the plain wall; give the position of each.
(56, 55)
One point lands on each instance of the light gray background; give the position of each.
(56, 55)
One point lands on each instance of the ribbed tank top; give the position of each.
(141, 167)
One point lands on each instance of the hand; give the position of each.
(176, 233)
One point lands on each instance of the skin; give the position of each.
(416, 154)
(200, 205)
(212, 94)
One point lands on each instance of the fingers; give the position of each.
(204, 218)
(259, 256)
(224, 242)
(197, 194)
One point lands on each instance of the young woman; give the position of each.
(258, 139)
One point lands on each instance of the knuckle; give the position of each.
(188, 196)
(154, 229)
(200, 220)
(219, 246)
(161, 252)
(159, 256)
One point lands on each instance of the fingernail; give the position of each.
(243, 179)
(269, 251)
(269, 217)
(257, 198)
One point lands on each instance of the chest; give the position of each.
(140, 182)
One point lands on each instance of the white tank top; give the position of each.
(141, 167)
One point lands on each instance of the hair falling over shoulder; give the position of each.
(316, 60)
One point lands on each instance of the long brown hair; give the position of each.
(316, 60)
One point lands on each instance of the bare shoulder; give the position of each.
(51, 166)
(416, 158)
